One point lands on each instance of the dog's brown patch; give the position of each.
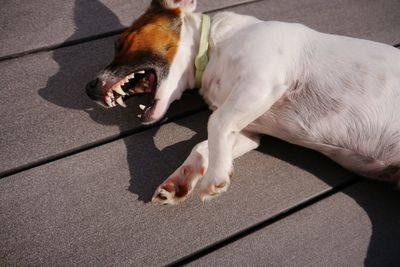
(169, 186)
(157, 32)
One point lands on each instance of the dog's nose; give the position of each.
(91, 89)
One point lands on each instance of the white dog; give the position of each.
(334, 94)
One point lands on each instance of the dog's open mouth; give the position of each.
(138, 82)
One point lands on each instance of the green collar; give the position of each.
(202, 57)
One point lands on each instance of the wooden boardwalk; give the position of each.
(76, 179)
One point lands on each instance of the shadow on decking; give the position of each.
(149, 166)
(381, 201)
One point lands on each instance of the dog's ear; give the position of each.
(185, 5)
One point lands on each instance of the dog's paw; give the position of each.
(214, 187)
(170, 193)
(177, 187)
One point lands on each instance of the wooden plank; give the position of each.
(92, 208)
(373, 20)
(45, 111)
(51, 113)
(358, 227)
(30, 25)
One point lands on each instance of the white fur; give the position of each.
(334, 94)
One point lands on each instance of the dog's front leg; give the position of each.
(242, 107)
(180, 184)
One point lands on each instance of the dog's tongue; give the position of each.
(147, 83)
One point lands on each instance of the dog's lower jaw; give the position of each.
(149, 114)
(162, 101)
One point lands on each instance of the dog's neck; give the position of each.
(190, 41)
(181, 74)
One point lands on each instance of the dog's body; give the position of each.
(334, 94)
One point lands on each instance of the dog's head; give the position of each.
(154, 56)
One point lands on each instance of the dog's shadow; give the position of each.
(149, 166)
(380, 201)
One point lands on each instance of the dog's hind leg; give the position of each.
(242, 107)
(180, 184)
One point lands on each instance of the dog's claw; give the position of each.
(213, 191)
(205, 198)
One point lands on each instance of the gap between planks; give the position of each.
(265, 223)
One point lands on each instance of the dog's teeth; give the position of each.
(141, 72)
(120, 102)
(131, 76)
(119, 90)
(109, 101)
(139, 116)
(142, 107)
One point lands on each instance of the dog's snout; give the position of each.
(92, 89)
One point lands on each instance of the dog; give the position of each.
(334, 94)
